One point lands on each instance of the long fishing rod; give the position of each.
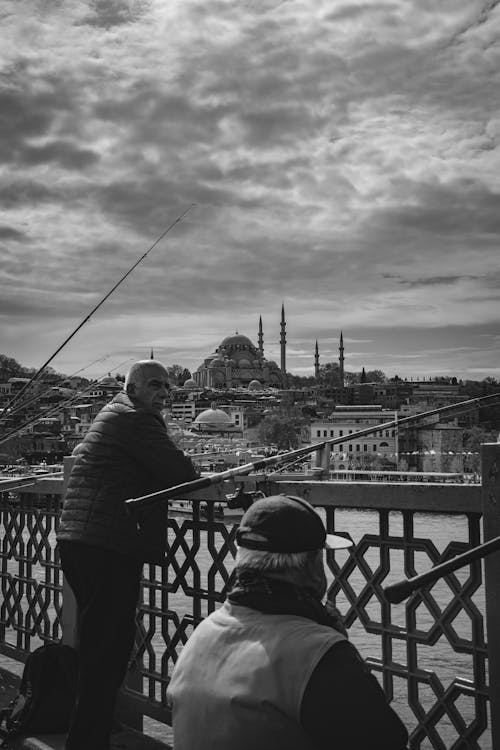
(52, 409)
(21, 483)
(137, 503)
(82, 323)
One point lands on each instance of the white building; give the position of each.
(360, 452)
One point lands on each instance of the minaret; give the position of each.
(261, 337)
(341, 360)
(316, 361)
(283, 344)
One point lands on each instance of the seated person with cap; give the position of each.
(272, 669)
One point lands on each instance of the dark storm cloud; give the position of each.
(347, 12)
(30, 303)
(22, 192)
(61, 152)
(431, 280)
(107, 14)
(22, 116)
(31, 110)
(460, 208)
(9, 233)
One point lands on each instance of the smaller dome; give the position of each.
(190, 383)
(255, 385)
(109, 380)
(244, 363)
(213, 417)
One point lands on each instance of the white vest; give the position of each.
(239, 681)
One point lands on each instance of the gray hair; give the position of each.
(139, 369)
(273, 561)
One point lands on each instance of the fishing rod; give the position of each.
(52, 409)
(136, 503)
(396, 592)
(101, 302)
(27, 481)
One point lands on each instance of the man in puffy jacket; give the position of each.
(272, 669)
(126, 452)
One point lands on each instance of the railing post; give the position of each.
(490, 468)
(69, 609)
(322, 460)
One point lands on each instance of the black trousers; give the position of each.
(106, 587)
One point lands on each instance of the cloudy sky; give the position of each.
(343, 158)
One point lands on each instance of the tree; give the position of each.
(329, 374)
(300, 381)
(9, 367)
(473, 437)
(279, 431)
(365, 376)
(178, 374)
(184, 375)
(376, 376)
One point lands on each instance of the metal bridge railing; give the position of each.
(431, 652)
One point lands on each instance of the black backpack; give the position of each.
(46, 694)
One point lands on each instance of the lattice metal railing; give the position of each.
(445, 709)
(30, 575)
(430, 651)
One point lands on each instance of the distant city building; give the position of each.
(362, 451)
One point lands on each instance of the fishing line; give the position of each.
(54, 409)
(36, 397)
(80, 325)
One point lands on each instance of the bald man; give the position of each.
(126, 452)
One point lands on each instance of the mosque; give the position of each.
(237, 363)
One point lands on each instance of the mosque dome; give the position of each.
(237, 340)
(190, 383)
(255, 385)
(108, 380)
(215, 418)
(244, 363)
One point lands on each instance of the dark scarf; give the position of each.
(273, 597)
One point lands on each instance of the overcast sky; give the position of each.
(343, 157)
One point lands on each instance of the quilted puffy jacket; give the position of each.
(127, 452)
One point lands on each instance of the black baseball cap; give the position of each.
(285, 523)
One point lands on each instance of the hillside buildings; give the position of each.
(236, 386)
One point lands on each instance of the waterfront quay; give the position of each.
(437, 653)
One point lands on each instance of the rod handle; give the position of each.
(134, 504)
(396, 592)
